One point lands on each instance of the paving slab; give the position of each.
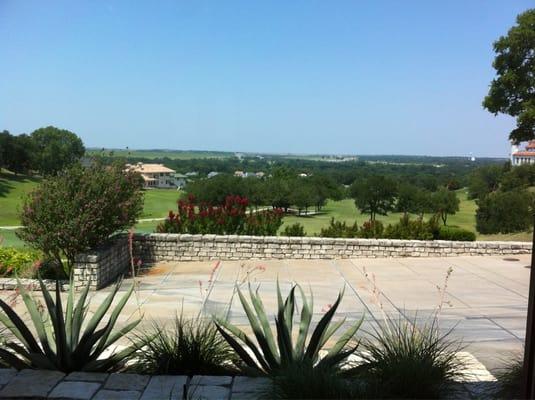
(74, 390)
(81, 376)
(126, 382)
(32, 384)
(165, 387)
(208, 392)
(6, 374)
(210, 380)
(105, 394)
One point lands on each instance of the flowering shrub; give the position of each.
(231, 218)
(14, 261)
(79, 209)
(371, 229)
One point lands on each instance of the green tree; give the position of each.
(484, 180)
(302, 195)
(444, 202)
(412, 199)
(512, 92)
(55, 149)
(16, 152)
(374, 195)
(80, 208)
(504, 212)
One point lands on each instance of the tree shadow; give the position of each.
(8, 179)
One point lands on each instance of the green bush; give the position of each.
(339, 229)
(190, 347)
(294, 230)
(18, 262)
(62, 343)
(510, 379)
(410, 229)
(405, 359)
(270, 355)
(80, 208)
(371, 229)
(456, 234)
(505, 212)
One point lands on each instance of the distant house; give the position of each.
(212, 174)
(260, 174)
(191, 174)
(154, 175)
(239, 174)
(180, 180)
(303, 175)
(522, 157)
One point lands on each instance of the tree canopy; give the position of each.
(512, 92)
(375, 195)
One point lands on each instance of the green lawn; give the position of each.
(158, 202)
(12, 189)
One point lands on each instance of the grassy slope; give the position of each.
(158, 202)
(12, 189)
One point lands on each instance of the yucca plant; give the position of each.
(63, 342)
(270, 355)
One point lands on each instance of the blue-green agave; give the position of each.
(270, 355)
(63, 342)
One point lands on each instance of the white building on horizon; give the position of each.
(523, 157)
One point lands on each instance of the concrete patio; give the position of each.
(485, 300)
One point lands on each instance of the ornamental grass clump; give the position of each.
(274, 352)
(62, 340)
(192, 346)
(405, 359)
(510, 379)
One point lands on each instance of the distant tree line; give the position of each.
(45, 151)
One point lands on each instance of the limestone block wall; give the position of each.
(155, 247)
(102, 266)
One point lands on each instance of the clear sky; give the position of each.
(351, 77)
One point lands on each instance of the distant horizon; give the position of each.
(93, 148)
(302, 77)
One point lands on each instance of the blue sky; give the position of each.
(351, 77)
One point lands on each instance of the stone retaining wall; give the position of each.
(155, 247)
(102, 266)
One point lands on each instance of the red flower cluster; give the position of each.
(231, 217)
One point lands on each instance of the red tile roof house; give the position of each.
(155, 175)
(521, 157)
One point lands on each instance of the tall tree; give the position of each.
(56, 149)
(445, 202)
(375, 195)
(512, 92)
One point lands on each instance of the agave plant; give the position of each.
(269, 356)
(63, 342)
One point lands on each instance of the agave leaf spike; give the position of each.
(61, 339)
(18, 328)
(11, 359)
(304, 326)
(344, 339)
(69, 316)
(79, 314)
(37, 320)
(261, 312)
(223, 324)
(316, 338)
(238, 348)
(113, 318)
(100, 312)
(330, 331)
(121, 332)
(257, 330)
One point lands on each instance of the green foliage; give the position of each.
(375, 195)
(55, 149)
(411, 229)
(16, 152)
(339, 229)
(412, 199)
(512, 92)
(405, 359)
(79, 209)
(371, 229)
(505, 212)
(294, 230)
(62, 342)
(269, 355)
(303, 381)
(510, 379)
(519, 177)
(456, 234)
(16, 261)
(444, 202)
(191, 347)
(485, 180)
